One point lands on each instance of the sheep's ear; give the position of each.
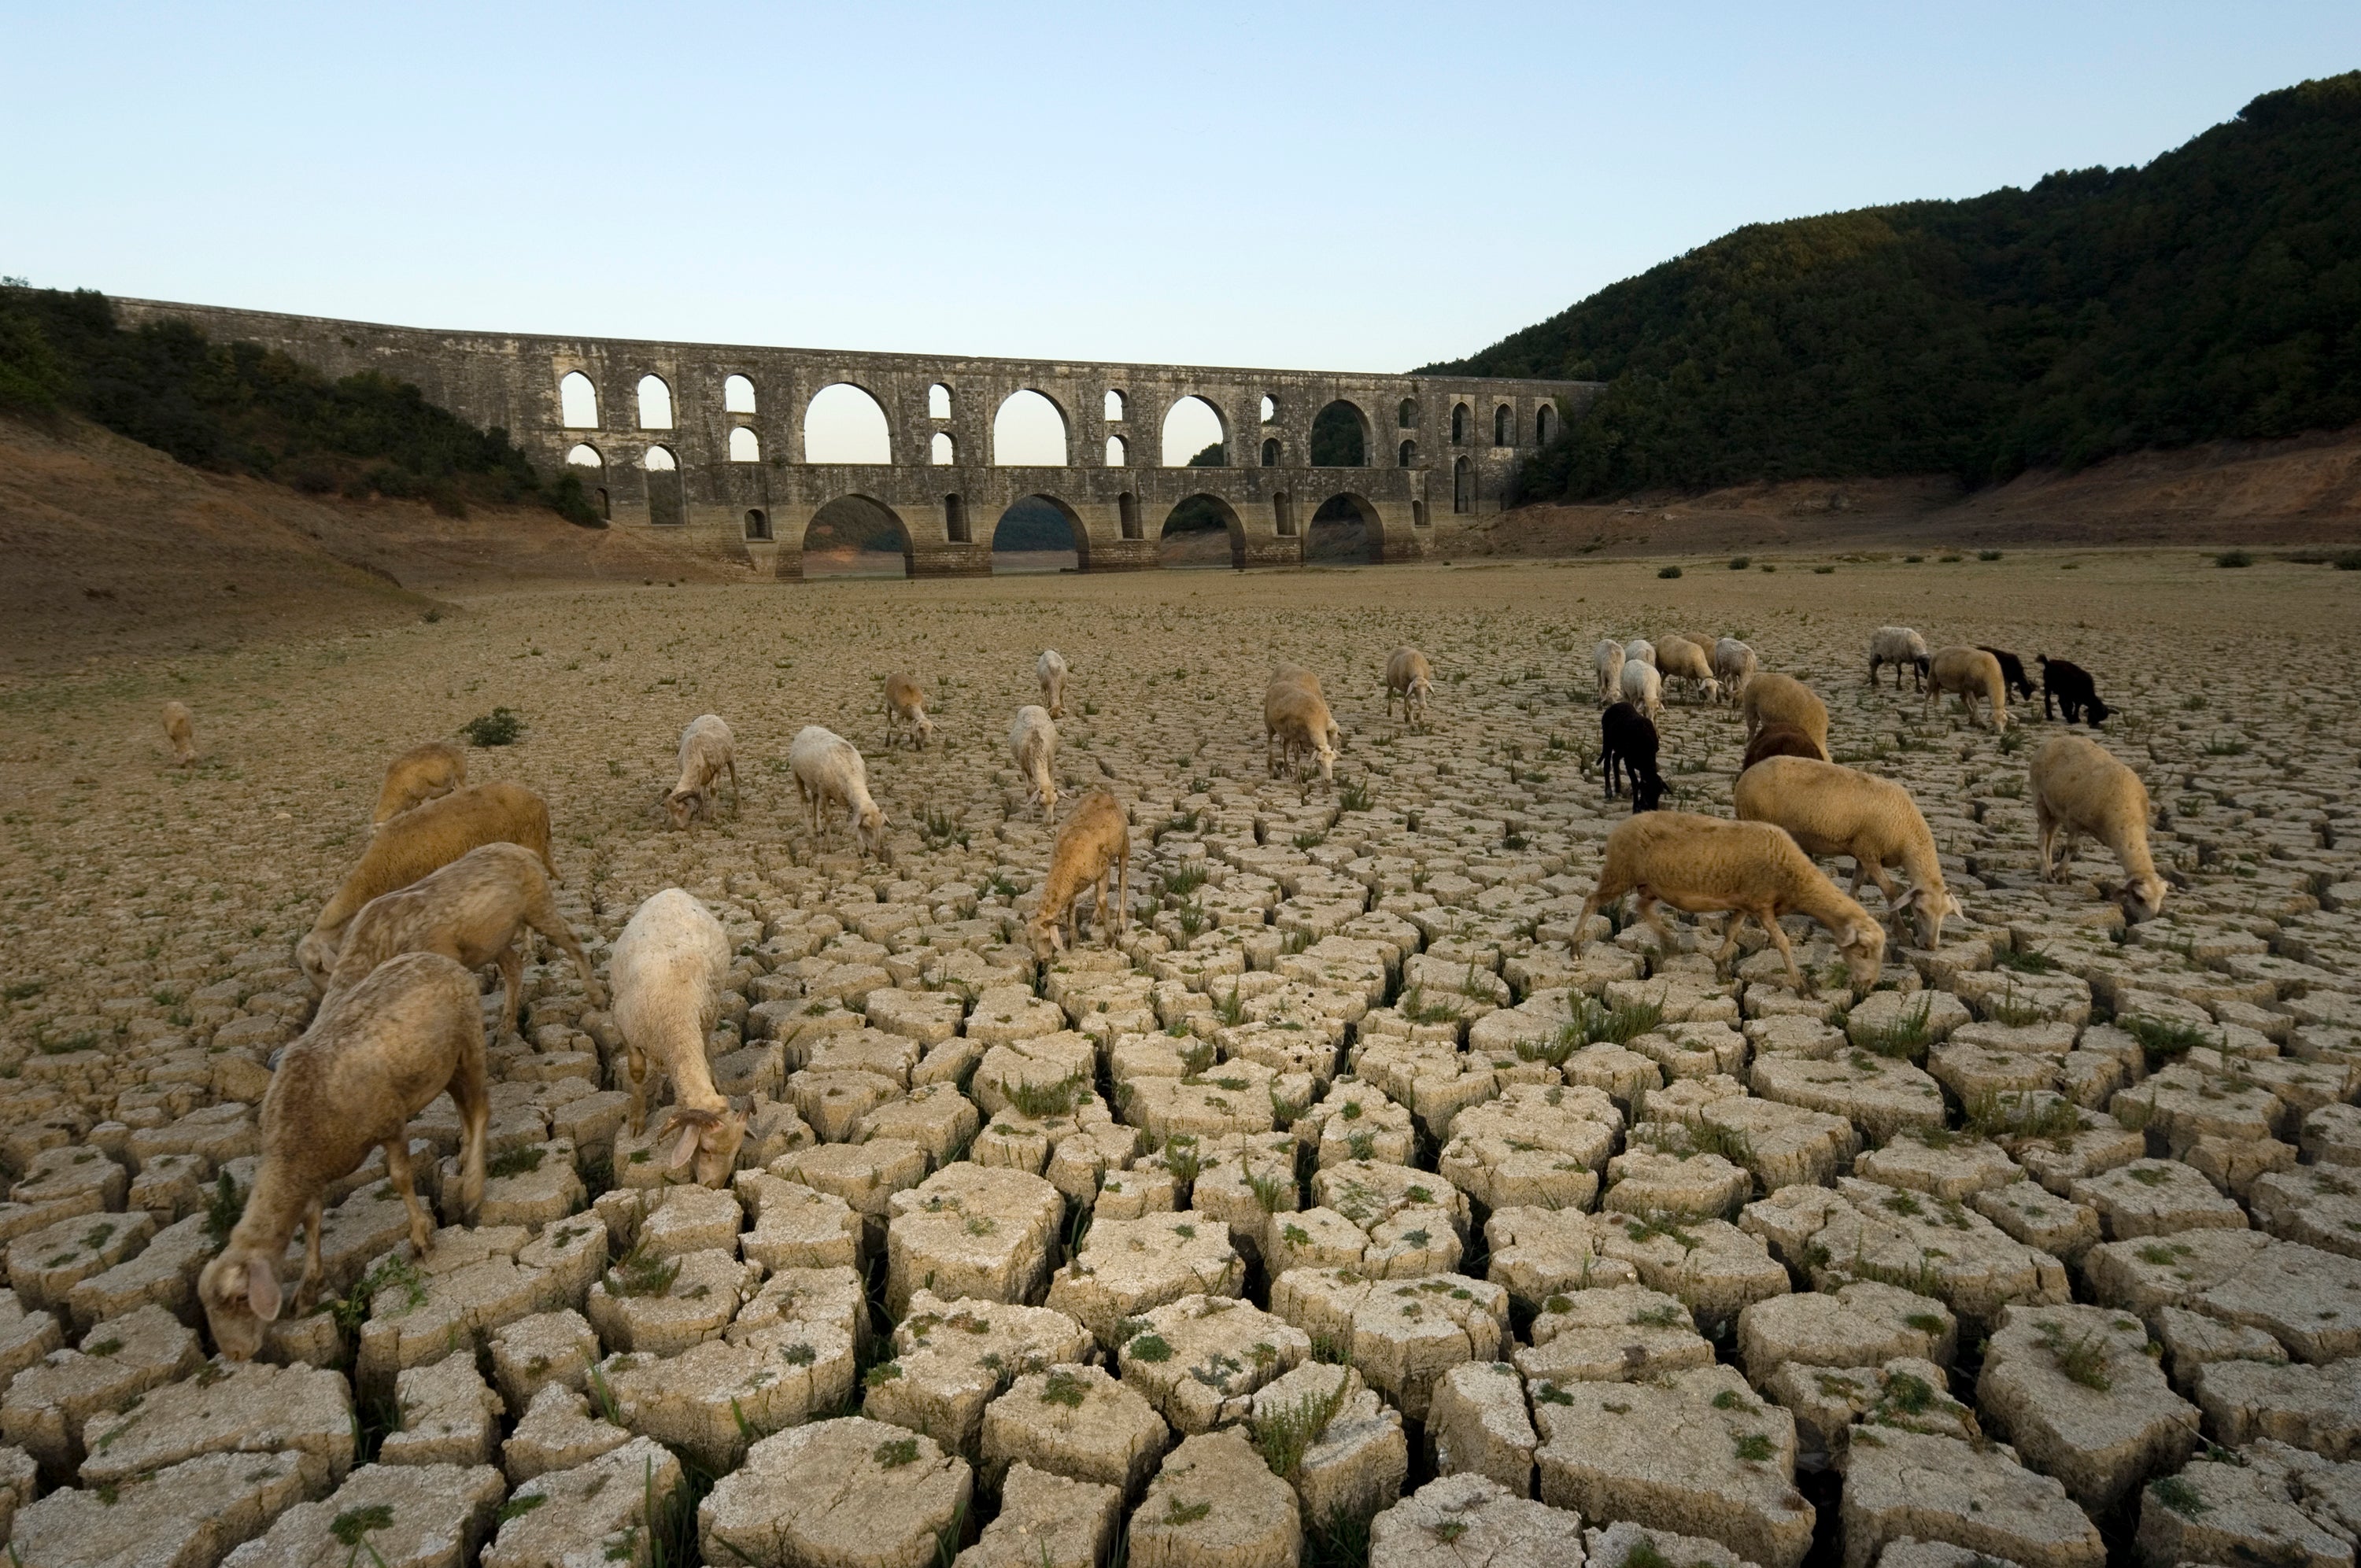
(685, 1150)
(262, 1291)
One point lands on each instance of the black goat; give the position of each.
(2012, 671)
(2077, 694)
(1627, 740)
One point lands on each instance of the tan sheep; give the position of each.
(708, 750)
(373, 1059)
(1410, 677)
(1644, 687)
(1974, 674)
(420, 774)
(475, 911)
(1832, 810)
(180, 729)
(905, 703)
(1733, 666)
(1032, 741)
(1049, 669)
(2080, 787)
(1295, 718)
(426, 838)
(1704, 863)
(1773, 698)
(830, 772)
(667, 968)
(1608, 660)
(1677, 658)
(1093, 845)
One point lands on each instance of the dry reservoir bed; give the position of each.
(1348, 1208)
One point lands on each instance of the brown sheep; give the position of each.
(2080, 787)
(1773, 698)
(1410, 677)
(1832, 810)
(1094, 844)
(420, 774)
(1779, 741)
(180, 729)
(1295, 718)
(708, 750)
(1974, 674)
(905, 703)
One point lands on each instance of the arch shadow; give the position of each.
(1344, 530)
(1038, 534)
(1192, 531)
(855, 535)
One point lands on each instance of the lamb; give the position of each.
(1295, 718)
(1643, 688)
(1773, 698)
(472, 911)
(1034, 740)
(667, 966)
(1780, 740)
(1704, 863)
(1412, 678)
(1898, 646)
(905, 703)
(829, 772)
(1640, 648)
(2077, 693)
(1678, 658)
(1049, 669)
(1627, 743)
(2012, 670)
(1832, 810)
(1608, 658)
(1733, 666)
(1974, 674)
(426, 838)
(420, 774)
(707, 751)
(178, 729)
(2080, 787)
(1094, 844)
(374, 1058)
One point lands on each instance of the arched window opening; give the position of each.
(666, 508)
(1202, 531)
(1344, 532)
(854, 536)
(758, 523)
(1118, 451)
(1270, 452)
(1282, 514)
(745, 446)
(659, 460)
(582, 454)
(656, 403)
(1409, 455)
(944, 450)
(1463, 486)
(1030, 432)
(1504, 426)
(1194, 435)
(955, 520)
(1036, 534)
(1126, 508)
(1269, 409)
(1544, 425)
(1406, 416)
(1114, 407)
(1340, 437)
(578, 402)
(1459, 425)
(938, 401)
(844, 424)
(737, 395)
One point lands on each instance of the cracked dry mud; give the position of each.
(1349, 1208)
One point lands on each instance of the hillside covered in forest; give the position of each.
(2214, 293)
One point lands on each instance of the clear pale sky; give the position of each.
(1349, 187)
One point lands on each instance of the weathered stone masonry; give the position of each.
(1437, 447)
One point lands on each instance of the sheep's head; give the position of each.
(1712, 689)
(925, 730)
(1927, 911)
(316, 953)
(240, 1293)
(2096, 711)
(1420, 688)
(2143, 897)
(684, 806)
(1862, 945)
(1323, 751)
(709, 1140)
(869, 822)
(1047, 936)
(1647, 791)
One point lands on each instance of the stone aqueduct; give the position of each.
(1435, 447)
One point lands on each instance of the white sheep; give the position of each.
(1974, 674)
(2080, 787)
(1704, 863)
(1033, 739)
(1733, 664)
(708, 750)
(1049, 669)
(905, 703)
(1773, 698)
(1412, 678)
(1898, 646)
(829, 772)
(1677, 658)
(1094, 844)
(1833, 810)
(1640, 648)
(1643, 688)
(1607, 657)
(377, 1056)
(666, 970)
(1295, 718)
(180, 729)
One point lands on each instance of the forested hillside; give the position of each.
(2214, 293)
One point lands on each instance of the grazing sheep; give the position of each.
(1705, 639)
(472, 911)
(708, 750)
(1608, 658)
(374, 1058)
(426, 838)
(1627, 744)
(180, 729)
(2012, 671)
(1832, 810)
(1640, 648)
(1733, 666)
(666, 968)
(420, 774)
(1773, 698)
(1974, 674)
(1094, 844)
(1780, 740)
(829, 772)
(1410, 677)
(1034, 740)
(1704, 863)
(905, 703)
(1295, 718)
(1643, 688)
(1677, 658)
(1898, 646)
(1049, 669)
(2080, 787)
(2077, 693)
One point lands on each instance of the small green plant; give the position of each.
(501, 726)
(639, 1273)
(1150, 1348)
(1176, 1512)
(1905, 1037)
(1740, 563)
(1755, 1449)
(1987, 554)
(895, 1453)
(1271, 1191)
(2162, 1039)
(2082, 1360)
(1062, 1387)
(1285, 1435)
(2348, 561)
(1665, 1317)
(2179, 1497)
(1668, 571)
(1824, 571)
(2027, 960)
(1355, 796)
(1041, 1102)
(352, 1527)
(2234, 558)
(516, 1161)
(224, 1205)
(516, 1507)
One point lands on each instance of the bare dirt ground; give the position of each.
(1353, 1171)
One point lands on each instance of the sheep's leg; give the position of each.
(1729, 941)
(512, 964)
(544, 918)
(1099, 904)
(474, 1106)
(637, 1064)
(1123, 893)
(1876, 870)
(1769, 920)
(311, 1279)
(1646, 909)
(398, 1170)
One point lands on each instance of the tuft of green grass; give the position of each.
(1903, 1039)
(637, 1273)
(501, 726)
(1668, 571)
(895, 1453)
(516, 1161)
(2179, 1497)
(1062, 1387)
(1285, 1435)
(1755, 1449)
(1740, 563)
(1044, 1101)
(1355, 796)
(1150, 1348)
(2082, 1360)
(2234, 558)
(2161, 1039)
